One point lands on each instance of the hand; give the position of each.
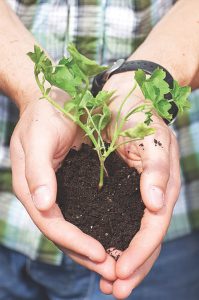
(160, 185)
(39, 143)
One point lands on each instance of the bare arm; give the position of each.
(174, 43)
(16, 69)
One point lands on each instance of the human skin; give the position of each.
(34, 170)
(174, 44)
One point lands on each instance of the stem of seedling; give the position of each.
(117, 129)
(102, 168)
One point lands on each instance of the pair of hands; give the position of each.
(40, 142)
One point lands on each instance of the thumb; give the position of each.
(154, 178)
(39, 172)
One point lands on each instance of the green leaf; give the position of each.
(162, 107)
(155, 87)
(37, 55)
(106, 117)
(158, 80)
(48, 90)
(62, 78)
(32, 56)
(87, 66)
(180, 96)
(87, 100)
(140, 77)
(148, 119)
(138, 132)
(74, 69)
(101, 120)
(103, 97)
(69, 106)
(42, 62)
(149, 91)
(96, 119)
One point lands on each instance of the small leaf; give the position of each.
(138, 132)
(37, 55)
(32, 56)
(101, 120)
(74, 69)
(162, 107)
(87, 66)
(96, 119)
(155, 87)
(148, 119)
(149, 91)
(69, 105)
(180, 96)
(87, 100)
(103, 97)
(140, 77)
(48, 90)
(62, 78)
(105, 117)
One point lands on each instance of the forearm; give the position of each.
(174, 43)
(16, 70)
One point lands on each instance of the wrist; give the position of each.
(182, 72)
(24, 97)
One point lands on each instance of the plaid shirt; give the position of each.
(105, 31)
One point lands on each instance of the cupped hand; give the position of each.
(39, 143)
(157, 159)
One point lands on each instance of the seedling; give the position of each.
(93, 114)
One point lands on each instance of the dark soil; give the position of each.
(111, 215)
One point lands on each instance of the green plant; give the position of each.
(92, 114)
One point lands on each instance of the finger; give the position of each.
(39, 170)
(51, 222)
(105, 268)
(153, 225)
(142, 246)
(40, 161)
(106, 286)
(151, 158)
(156, 168)
(123, 288)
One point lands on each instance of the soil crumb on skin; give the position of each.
(111, 215)
(156, 142)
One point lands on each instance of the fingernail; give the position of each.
(41, 197)
(156, 197)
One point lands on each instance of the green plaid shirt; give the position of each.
(105, 31)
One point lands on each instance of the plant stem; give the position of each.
(126, 142)
(124, 101)
(102, 167)
(96, 129)
(117, 130)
